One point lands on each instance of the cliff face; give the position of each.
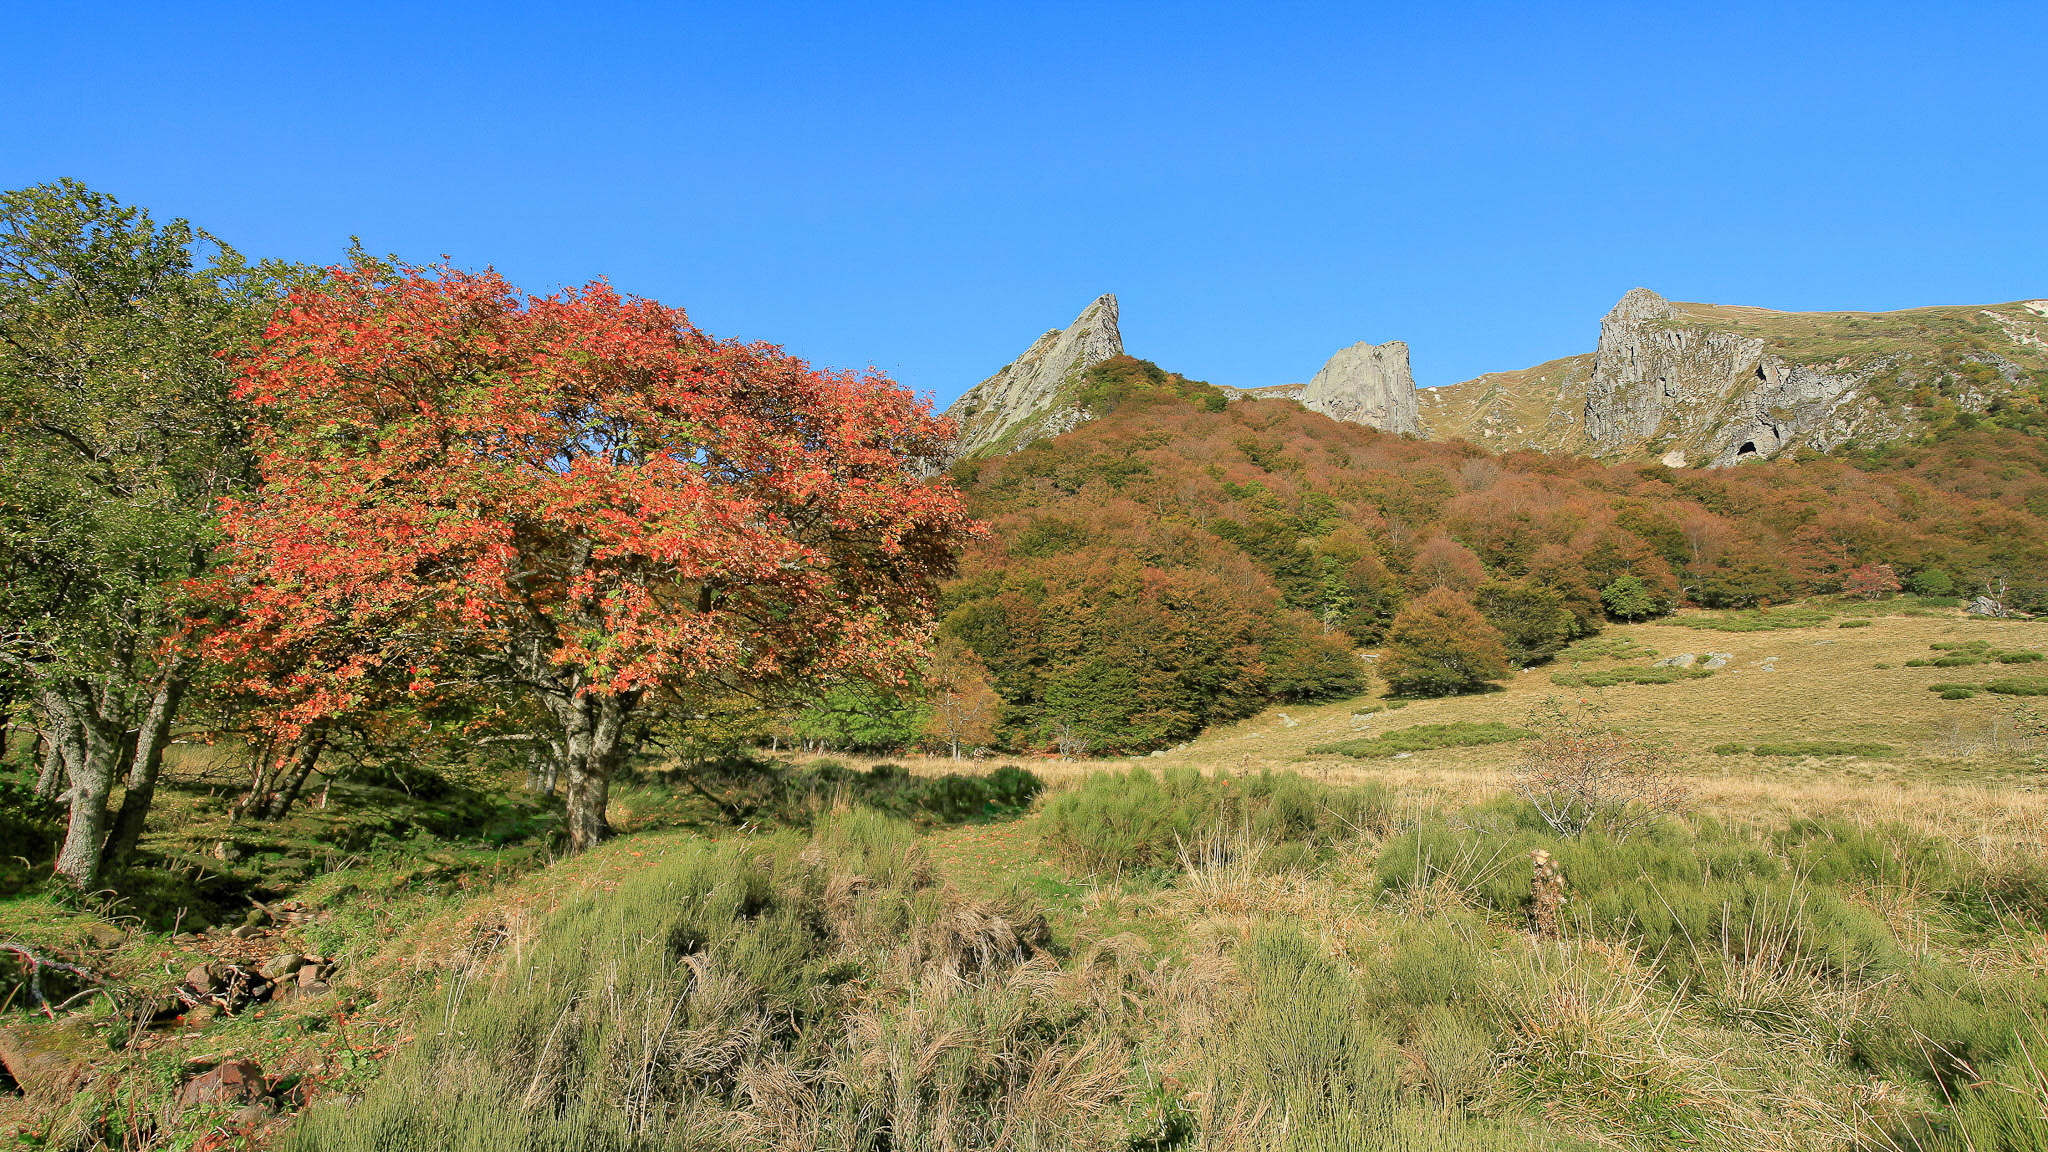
(1366, 384)
(1711, 384)
(1032, 396)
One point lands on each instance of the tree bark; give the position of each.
(591, 725)
(92, 780)
(305, 754)
(145, 767)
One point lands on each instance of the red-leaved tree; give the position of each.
(580, 498)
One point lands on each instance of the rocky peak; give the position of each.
(1367, 384)
(1032, 396)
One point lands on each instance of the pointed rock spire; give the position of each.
(1032, 395)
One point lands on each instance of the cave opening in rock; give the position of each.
(1748, 448)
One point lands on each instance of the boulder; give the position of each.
(233, 1082)
(46, 1060)
(1682, 660)
(280, 965)
(204, 979)
(1717, 660)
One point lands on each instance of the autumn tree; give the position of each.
(119, 431)
(1439, 644)
(964, 706)
(579, 498)
(1871, 581)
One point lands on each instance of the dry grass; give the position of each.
(1959, 772)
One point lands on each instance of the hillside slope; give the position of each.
(1717, 384)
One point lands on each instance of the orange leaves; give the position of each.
(579, 488)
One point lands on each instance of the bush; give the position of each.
(1580, 772)
(1423, 737)
(2019, 686)
(1439, 644)
(1854, 624)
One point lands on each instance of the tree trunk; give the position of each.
(92, 780)
(50, 784)
(591, 729)
(144, 768)
(305, 754)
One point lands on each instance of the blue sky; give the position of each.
(927, 188)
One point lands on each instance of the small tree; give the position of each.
(963, 706)
(1439, 644)
(1533, 620)
(1628, 598)
(1580, 772)
(1871, 581)
(1932, 582)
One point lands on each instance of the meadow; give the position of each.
(1238, 943)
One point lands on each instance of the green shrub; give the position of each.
(1854, 624)
(2019, 686)
(1822, 748)
(1729, 749)
(1422, 738)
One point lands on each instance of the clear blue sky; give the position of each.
(927, 188)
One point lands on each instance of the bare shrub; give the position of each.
(1581, 772)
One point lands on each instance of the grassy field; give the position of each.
(1244, 944)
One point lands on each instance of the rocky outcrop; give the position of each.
(1713, 384)
(1661, 379)
(1033, 395)
(1367, 384)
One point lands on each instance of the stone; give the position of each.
(280, 965)
(257, 918)
(1682, 660)
(311, 974)
(204, 978)
(1368, 384)
(233, 1082)
(246, 932)
(1717, 660)
(1033, 396)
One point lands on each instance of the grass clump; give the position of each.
(1423, 738)
(1854, 624)
(709, 1003)
(1136, 821)
(2019, 686)
(1615, 677)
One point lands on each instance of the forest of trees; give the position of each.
(1184, 559)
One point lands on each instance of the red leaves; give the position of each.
(581, 486)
